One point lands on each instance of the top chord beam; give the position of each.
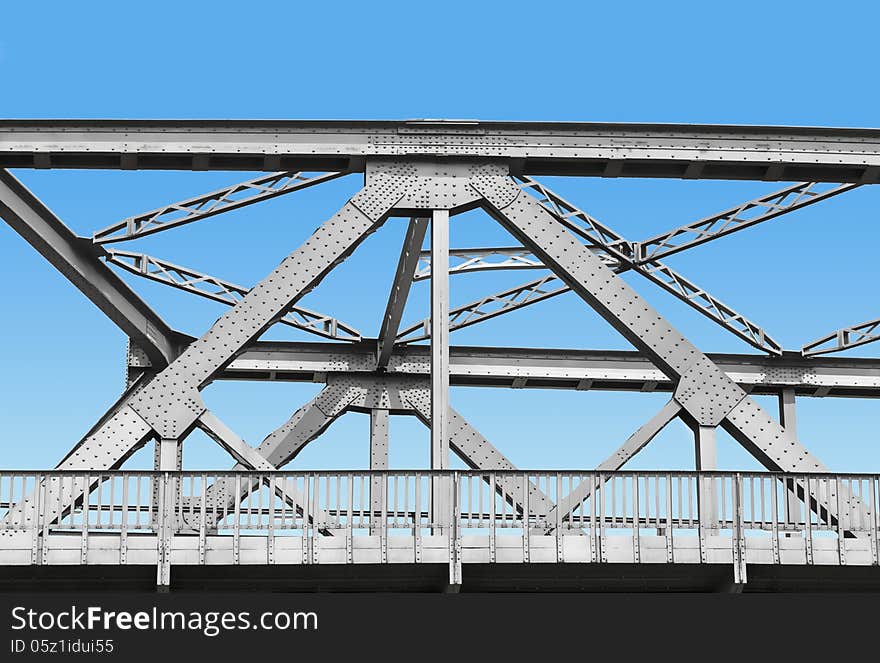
(536, 148)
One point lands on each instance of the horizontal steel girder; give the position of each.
(538, 148)
(616, 370)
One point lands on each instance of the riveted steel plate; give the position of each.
(706, 393)
(173, 415)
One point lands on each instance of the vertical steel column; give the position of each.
(788, 419)
(439, 359)
(167, 456)
(169, 459)
(378, 461)
(706, 451)
(440, 340)
(706, 460)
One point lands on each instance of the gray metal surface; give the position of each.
(844, 339)
(539, 148)
(207, 205)
(403, 277)
(429, 171)
(616, 370)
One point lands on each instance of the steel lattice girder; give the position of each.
(785, 154)
(732, 220)
(481, 259)
(844, 339)
(489, 307)
(208, 205)
(745, 215)
(225, 292)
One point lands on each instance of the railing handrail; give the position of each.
(431, 472)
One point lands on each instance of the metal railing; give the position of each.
(459, 505)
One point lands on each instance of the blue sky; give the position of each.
(749, 63)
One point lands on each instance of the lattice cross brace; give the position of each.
(218, 290)
(208, 204)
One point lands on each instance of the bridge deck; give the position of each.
(463, 521)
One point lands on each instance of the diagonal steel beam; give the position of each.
(243, 453)
(599, 235)
(536, 291)
(737, 218)
(844, 339)
(620, 255)
(208, 205)
(480, 454)
(635, 443)
(406, 266)
(708, 395)
(169, 405)
(283, 445)
(74, 258)
(210, 287)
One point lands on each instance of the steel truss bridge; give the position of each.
(797, 525)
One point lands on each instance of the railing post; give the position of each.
(383, 517)
(84, 540)
(417, 518)
(123, 524)
(669, 542)
(525, 519)
(704, 509)
(775, 524)
(163, 572)
(270, 535)
(739, 552)
(37, 520)
(637, 541)
(603, 552)
(349, 533)
(841, 523)
(492, 524)
(47, 519)
(560, 553)
(874, 525)
(454, 513)
(203, 517)
(808, 520)
(236, 525)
